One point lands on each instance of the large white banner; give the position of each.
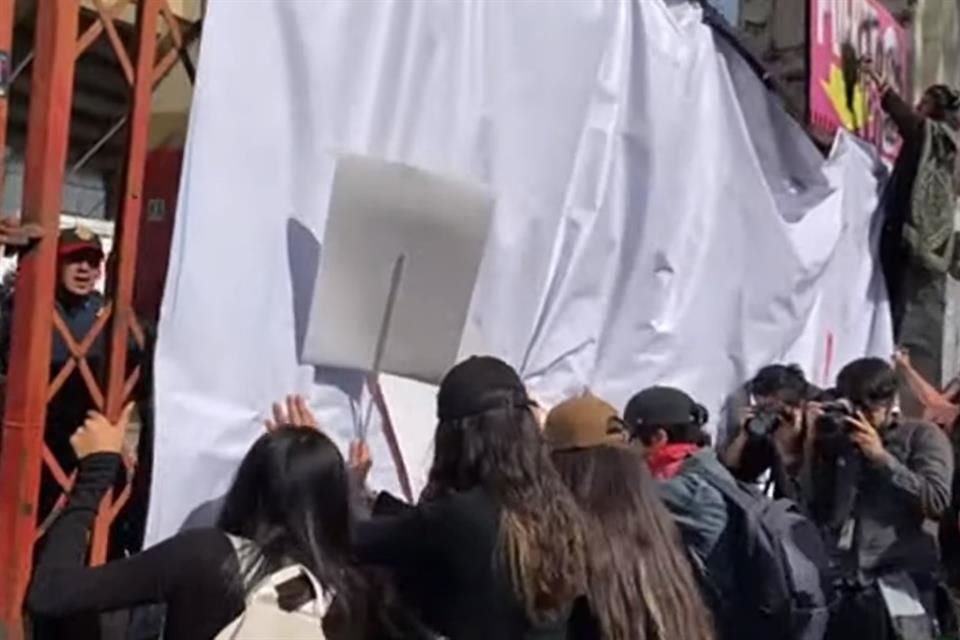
(659, 219)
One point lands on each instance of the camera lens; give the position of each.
(763, 424)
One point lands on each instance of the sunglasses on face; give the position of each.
(90, 258)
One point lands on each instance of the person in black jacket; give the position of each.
(495, 548)
(918, 243)
(289, 503)
(640, 583)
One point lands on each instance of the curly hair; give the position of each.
(541, 543)
(640, 585)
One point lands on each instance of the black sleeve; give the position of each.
(908, 121)
(756, 459)
(400, 538)
(388, 504)
(64, 585)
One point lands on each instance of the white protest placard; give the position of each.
(399, 262)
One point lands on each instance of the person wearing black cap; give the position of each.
(495, 549)
(669, 425)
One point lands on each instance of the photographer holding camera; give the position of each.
(771, 433)
(875, 481)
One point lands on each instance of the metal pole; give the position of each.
(29, 372)
(128, 234)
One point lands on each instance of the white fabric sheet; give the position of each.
(658, 220)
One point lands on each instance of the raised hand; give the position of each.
(869, 71)
(99, 435)
(867, 438)
(901, 358)
(292, 412)
(15, 234)
(360, 461)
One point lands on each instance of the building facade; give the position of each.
(777, 32)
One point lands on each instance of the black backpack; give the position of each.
(768, 577)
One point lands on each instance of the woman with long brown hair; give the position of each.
(495, 549)
(640, 585)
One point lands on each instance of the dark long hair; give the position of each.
(541, 545)
(291, 498)
(639, 581)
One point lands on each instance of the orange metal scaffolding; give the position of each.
(30, 385)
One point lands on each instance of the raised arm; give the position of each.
(926, 393)
(64, 585)
(909, 122)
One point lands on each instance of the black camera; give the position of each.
(765, 420)
(833, 429)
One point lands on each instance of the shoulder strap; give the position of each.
(710, 469)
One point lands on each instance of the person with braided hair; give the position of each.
(918, 242)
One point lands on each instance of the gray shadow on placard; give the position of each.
(303, 254)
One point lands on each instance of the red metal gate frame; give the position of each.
(6, 48)
(29, 384)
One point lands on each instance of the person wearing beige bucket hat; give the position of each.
(584, 422)
(639, 581)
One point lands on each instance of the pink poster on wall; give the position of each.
(868, 29)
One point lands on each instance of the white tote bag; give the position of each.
(264, 618)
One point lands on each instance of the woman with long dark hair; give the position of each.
(640, 585)
(289, 505)
(495, 547)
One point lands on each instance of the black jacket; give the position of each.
(442, 554)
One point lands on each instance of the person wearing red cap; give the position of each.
(79, 304)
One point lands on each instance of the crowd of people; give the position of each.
(813, 521)
(824, 514)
